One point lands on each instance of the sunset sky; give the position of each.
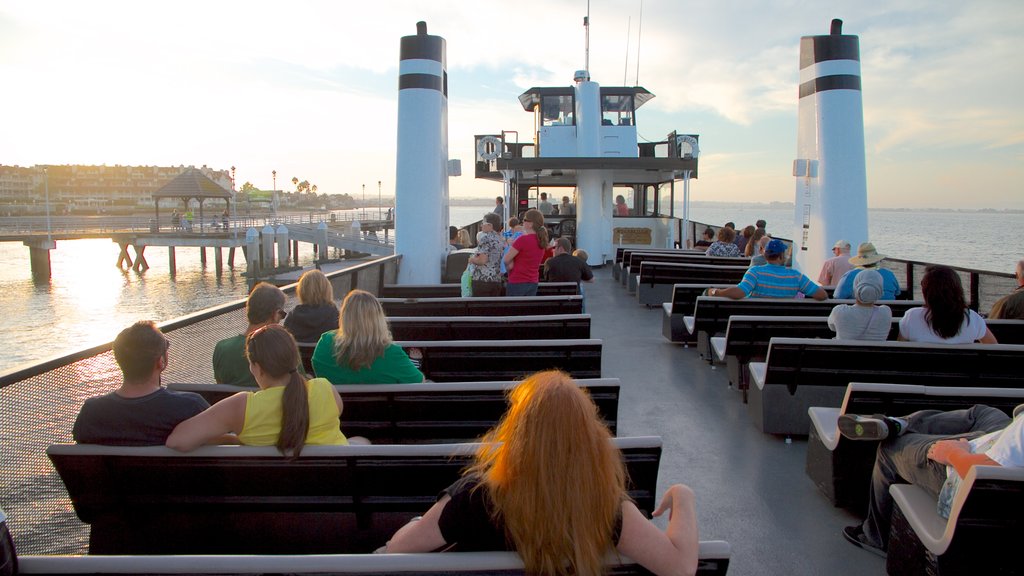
(309, 88)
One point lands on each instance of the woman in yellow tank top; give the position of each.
(288, 411)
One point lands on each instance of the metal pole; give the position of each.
(378, 200)
(46, 183)
(364, 202)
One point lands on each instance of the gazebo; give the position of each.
(188, 185)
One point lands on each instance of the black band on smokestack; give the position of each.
(814, 49)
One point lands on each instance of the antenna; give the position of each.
(586, 24)
(639, 27)
(625, 68)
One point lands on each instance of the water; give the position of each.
(88, 299)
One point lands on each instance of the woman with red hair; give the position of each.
(548, 483)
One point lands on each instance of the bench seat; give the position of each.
(455, 290)
(490, 306)
(476, 360)
(981, 536)
(684, 296)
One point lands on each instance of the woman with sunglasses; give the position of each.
(524, 257)
(288, 411)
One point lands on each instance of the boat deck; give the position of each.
(751, 488)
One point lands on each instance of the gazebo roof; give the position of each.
(192, 184)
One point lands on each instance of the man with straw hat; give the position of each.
(867, 258)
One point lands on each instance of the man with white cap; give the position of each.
(863, 320)
(867, 258)
(834, 268)
(772, 280)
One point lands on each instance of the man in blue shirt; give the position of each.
(772, 280)
(868, 258)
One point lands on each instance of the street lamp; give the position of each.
(46, 184)
(273, 193)
(378, 200)
(364, 200)
(234, 205)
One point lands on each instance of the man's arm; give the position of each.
(957, 453)
(734, 292)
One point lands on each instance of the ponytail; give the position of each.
(534, 217)
(294, 416)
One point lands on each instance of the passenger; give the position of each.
(620, 206)
(524, 257)
(140, 412)
(464, 239)
(945, 317)
(867, 258)
(743, 237)
(725, 245)
(550, 485)
(564, 267)
(316, 313)
(287, 411)
(757, 254)
(499, 207)
(933, 450)
(707, 237)
(1011, 306)
(773, 280)
(834, 268)
(863, 320)
(754, 246)
(265, 306)
(361, 350)
(486, 273)
(761, 224)
(453, 240)
(543, 205)
(567, 209)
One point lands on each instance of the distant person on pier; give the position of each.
(549, 484)
(863, 320)
(499, 206)
(834, 268)
(486, 259)
(287, 411)
(773, 280)
(524, 257)
(867, 258)
(265, 306)
(543, 205)
(724, 246)
(1011, 306)
(225, 221)
(189, 217)
(945, 317)
(316, 312)
(176, 221)
(361, 350)
(707, 238)
(621, 209)
(140, 412)
(567, 209)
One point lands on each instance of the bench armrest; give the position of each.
(690, 323)
(718, 346)
(825, 421)
(758, 372)
(919, 508)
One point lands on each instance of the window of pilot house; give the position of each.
(557, 110)
(617, 110)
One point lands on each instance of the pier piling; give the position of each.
(172, 261)
(123, 257)
(39, 258)
(218, 260)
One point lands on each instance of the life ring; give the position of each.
(489, 147)
(687, 139)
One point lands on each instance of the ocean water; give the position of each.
(88, 299)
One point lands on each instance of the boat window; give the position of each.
(557, 110)
(616, 110)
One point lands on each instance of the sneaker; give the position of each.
(855, 535)
(877, 427)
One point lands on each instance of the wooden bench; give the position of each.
(982, 535)
(711, 313)
(1007, 331)
(684, 297)
(473, 360)
(800, 373)
(841, 468)
(542, 327)
(491, 306)
(252, 500)
(656, 279)
(746, 339)
(713, 560)
(455, 290)
(429, 413)
(636, 259)
(623, 253)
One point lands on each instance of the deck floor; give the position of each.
(751, 487)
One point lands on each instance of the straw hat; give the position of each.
(866, 255)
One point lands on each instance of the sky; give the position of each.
(309, 88)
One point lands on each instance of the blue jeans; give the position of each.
(904, 459)
(521, 289)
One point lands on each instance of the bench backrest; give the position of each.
(473, 360)
(798, 361)
(711, 313)
(429, 413)
(684, 296)
(544, 327)
(1007, 331)
(637, 258)
(494, 306)
(899, 399)
(747, 337)
(982, 514)
(455, 290)
(622, 255)
(252, 500)
(674, 273)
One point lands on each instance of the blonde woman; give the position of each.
(550, 485)
(316, 313)
(361, 350)
(288, 411)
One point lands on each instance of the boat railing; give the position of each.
(39, 403)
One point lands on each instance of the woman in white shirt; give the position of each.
(945, 317)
